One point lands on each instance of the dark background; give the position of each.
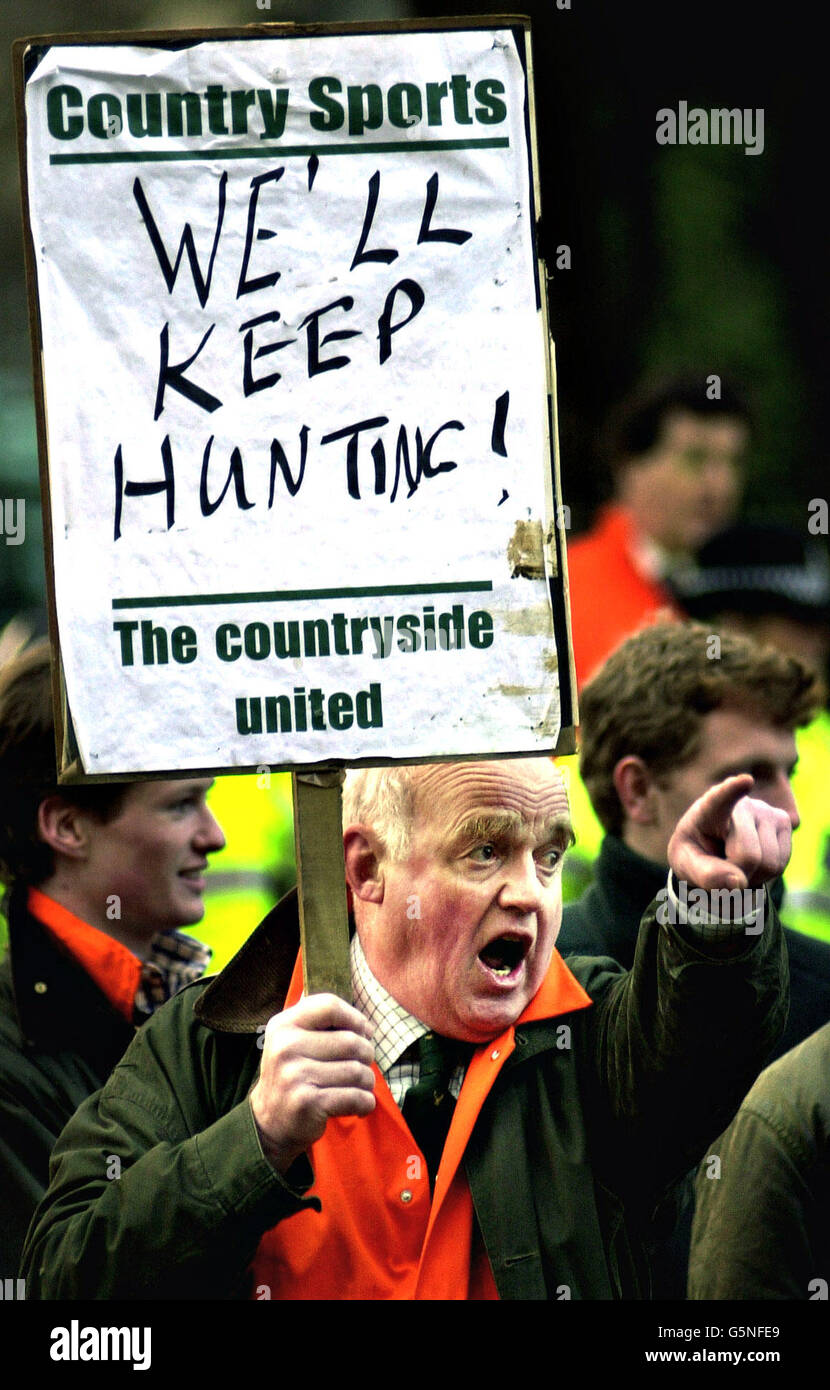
(699, 257)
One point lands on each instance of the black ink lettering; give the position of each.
(250, 383)
(425, 465)
(235, 473)
(385, 255)
(312, 326)
(278, 459)
(352, 433)
(402, 457)
(445, 233)
(167, 485)
(201, 285)
(175, 376)
(497, 443)
(259, 282)
(386, 328)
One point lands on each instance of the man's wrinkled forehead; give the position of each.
(531, 790)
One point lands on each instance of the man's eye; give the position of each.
(483, 854)
(549, 858)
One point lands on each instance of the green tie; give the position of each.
(428, 1106)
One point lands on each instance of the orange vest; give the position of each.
(610, 597)
(379, 1235)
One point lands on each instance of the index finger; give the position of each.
(718, 803)
(323, 1011)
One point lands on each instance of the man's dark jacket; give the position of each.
(762, 1229)
(579, 1142)
(606, 919)
(605, 922)
(59, 1040)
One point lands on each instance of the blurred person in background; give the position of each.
(772, 583)
(662, 720)
(676, 454)
(762, 1223)
(668, 715)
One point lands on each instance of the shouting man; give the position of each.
(484, 1122)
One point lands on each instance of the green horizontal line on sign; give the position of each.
(292, 595)
(284, 151)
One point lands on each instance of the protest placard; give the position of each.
(296, 396)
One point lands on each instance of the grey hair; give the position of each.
(384, 798)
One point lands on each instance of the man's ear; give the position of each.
(63, 827)
(363, 854)
(635, 786)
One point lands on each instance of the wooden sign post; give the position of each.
(324, 927)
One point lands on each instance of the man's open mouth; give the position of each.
(504, 954)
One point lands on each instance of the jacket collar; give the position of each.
(254, 984)
(628, 882)
(59, 1007)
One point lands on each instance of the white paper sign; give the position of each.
(294, 372)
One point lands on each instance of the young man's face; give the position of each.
(153, 855)
(465, 932)
(688, 486)
(732, 741)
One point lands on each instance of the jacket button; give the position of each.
(40, 987)
(406, 1195)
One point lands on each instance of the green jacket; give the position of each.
(606, 921)
(59, 1040)
(574, 1151)
(762, 1227)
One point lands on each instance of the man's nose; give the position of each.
(784, 799)
(211, 836)
(521, 890)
